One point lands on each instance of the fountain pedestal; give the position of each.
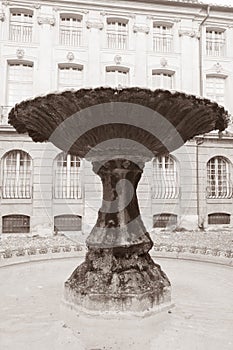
(118, 273)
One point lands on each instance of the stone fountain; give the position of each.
(118, 131)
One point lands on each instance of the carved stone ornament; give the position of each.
(163, 62)
(6, 3)
(94, 23)
(70, 56)
(118, 59)
(141, 28)
(37, 6)
(218, 68)
(190, 33)
(20, 53)
(46, 20)
(2, 16)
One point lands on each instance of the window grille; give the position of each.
(67, 177)
(71, 27)
(165, 178)
(219, 219)
(163, 220)
(218, 178)
(17, 174)
(16, 224)
(67, 223)
(215, 42)
(70, 77)
(162, 38)
(162, 80)
(117, 34)
(21, 23)
(20, 82)
(215, 89)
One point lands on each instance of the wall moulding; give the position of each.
(46, 20)
(189, 33)
(2, 16)
(69, 10)
(94, 23)
(141, 28)
(118, 14)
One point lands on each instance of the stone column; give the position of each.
(141, 31)
(118, 273)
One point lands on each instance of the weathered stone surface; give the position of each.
(112, 281)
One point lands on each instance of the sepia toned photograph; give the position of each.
(116, 168)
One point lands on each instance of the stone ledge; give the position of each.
(21, 255)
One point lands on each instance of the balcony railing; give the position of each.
(70, 37)
(220, 191)
(162, 42)
(215, 47)
(21, 33)
(117, 41)
(4, 110)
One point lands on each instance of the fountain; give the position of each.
(118, 131)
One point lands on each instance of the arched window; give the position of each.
(71, 27)
(70, 76)
(117, 33)
(219, 219)
(67, 223)
(17, 175)
(162, 37)
(67, 182)
(117, 76)
(162, 79)
(215, 41)
(165, 178)
(164, 220)
(218, 178)
(16, 224)
(19, 82)
(21, 23)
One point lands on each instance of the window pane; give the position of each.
(20, 82)
(117, 34)
(162, 38)
(70, 30)
(16, 224)
(17, 168)
(67, 177)
(70, 77)
(218, 178)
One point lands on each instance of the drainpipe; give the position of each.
(199, 141)
(201, 50)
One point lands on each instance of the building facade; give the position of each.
(175, 45)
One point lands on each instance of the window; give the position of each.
(20, 82)
(164, 220)
(162, 80)
(70, 77)
(21, 26)
(215, 42)
(67, 177)
(16, 224)
(17, 174)
(162, 37)
(215, 88)
(218, 178)
(117, 33)
(116, 76)
(165, 178)
(219, 219)
(71, 27)
(67, 223)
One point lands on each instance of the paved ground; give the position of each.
(31, 316)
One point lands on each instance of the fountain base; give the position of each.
(112, 283)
